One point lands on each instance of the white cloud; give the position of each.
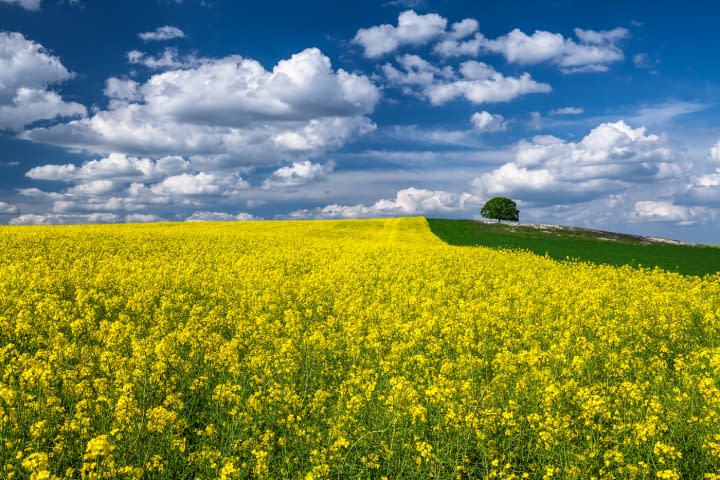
(610, 159)
(62, 219)
(567, 111)
(429, 136)
(30, 105)
(463, 28)
(450, 47)
(122, 89)
(452, 43)
(476, 81)
(665, 211)
(536, 121)
(26, 4)
(704, 189)
(714, 153)
(605, 37)
(26, 72)
(405, 3)
(116, 166)
(170, 59)
(201, 183)
(219, 217)
(95, 187)
(486, 122)
(409, 201)
(643, 61)
(665, 113)
(412, 29)
(593, 51)
(708, 180)
(120, 183)
(297, 174)
(167, 32)
(142, 218)
(8, 209)
(229, 108)
(596, 50)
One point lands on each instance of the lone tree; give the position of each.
(501, 208)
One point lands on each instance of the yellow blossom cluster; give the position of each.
(345, 349)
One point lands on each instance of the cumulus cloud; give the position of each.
(202, 183)
(411, 29)
(665, 211)
(703, 189)
(231, 108)
(167, 32)
(536, 121)
(170, 59)
(297, 174)
(595, 51)
(116, 167)
(714, 153)
(26, 4)
(455, 42)
(122, 89)
(119, 184)
(26, 72)
(610, 159)
(487, 122)
(142, 218)
(8, 209)
(409, 201)
(605, 37)
(63, 219)
(475, 81)
(220, 217)
(95, 187)
(567, 111)
(590, 51)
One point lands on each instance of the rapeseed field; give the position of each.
(360, 349)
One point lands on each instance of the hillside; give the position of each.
(582, 244)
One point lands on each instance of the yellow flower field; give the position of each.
(345, 349)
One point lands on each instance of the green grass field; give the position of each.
(581, 244)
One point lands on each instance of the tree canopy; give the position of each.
(501, 208)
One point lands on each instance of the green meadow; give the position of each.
(595, 246)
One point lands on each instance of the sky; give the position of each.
(586, 113)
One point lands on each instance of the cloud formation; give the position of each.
(170, 59)
(409, 201)
(229, 108)
(297, 174)
(117, 167)
(8, 209)
(120, 184)
(487, 122)
(26, 72)
(26, 4)
(595, 51)
(475, 81)
(64, 219)
(220, 217)
(411, 29)
(703, 189)
(167, 32)
(591, 51)
(567, 111)
(665, 211)
(610, 159)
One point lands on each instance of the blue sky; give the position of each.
(598, 114)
